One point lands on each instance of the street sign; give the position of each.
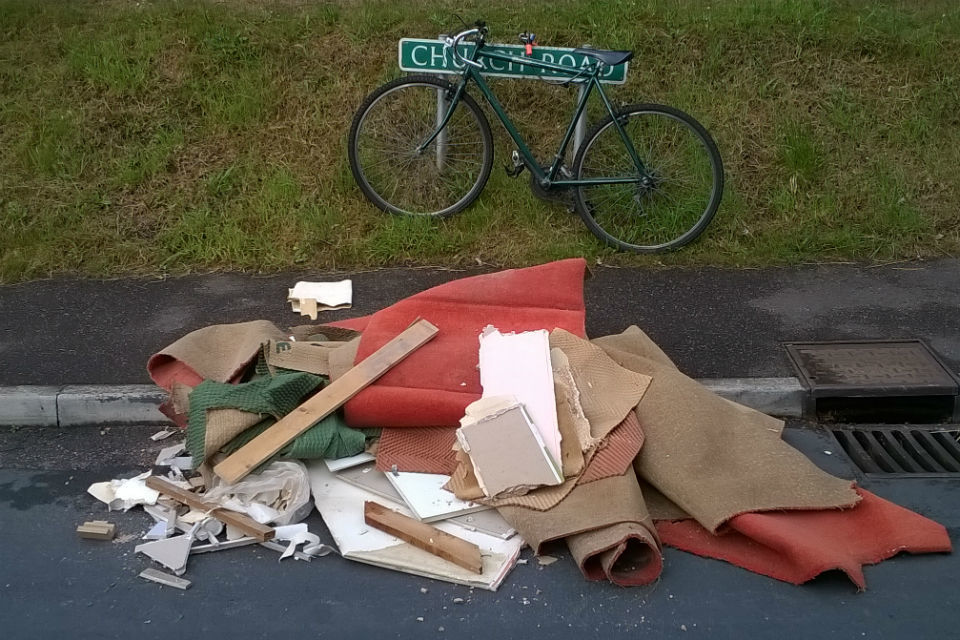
(430, 56)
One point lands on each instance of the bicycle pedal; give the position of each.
(514, 171)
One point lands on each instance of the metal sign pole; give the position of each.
(580, 131)
(442, 105)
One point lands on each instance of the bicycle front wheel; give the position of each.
(667, 207)
(440, 180)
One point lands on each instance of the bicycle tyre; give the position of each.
(417, 184)
(640, 219)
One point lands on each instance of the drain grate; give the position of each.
(877, 368)
(903, 451)
(873, 369)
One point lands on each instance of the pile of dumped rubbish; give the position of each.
(440, 435)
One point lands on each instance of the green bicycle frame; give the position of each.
(546, 178)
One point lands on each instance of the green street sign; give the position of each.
(430, 56)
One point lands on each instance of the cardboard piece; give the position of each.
(341, 506)
(508, 454)
(325, 402)
(307, 298)
(518, 364)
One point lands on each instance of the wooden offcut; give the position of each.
(424, 536)
(97, 530)
(326, 401)
(241, 521)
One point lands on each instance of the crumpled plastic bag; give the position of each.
(280, 494)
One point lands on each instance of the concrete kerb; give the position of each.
(117, 405)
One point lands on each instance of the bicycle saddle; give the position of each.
(611, 58)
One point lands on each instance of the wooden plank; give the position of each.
(424, 536)
(326, 401)
(239, 520)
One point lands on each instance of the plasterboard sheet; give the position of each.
(426, 497)
(367, 477)
(338, 464)
(518, 364)
(507, 453)
(341, 506)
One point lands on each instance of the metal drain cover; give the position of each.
(902, 451)
(871, 368)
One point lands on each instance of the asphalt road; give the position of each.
(715, 323)
(55, 585)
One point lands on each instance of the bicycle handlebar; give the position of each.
(454, 42)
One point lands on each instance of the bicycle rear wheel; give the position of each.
(439, 181)
(681, 196)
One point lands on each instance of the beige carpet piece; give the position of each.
(711, 457)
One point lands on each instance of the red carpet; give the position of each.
(796, 546)
(433, 386)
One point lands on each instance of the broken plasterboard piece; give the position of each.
(339, 464)
(155, 575)
(167, 454)
(518, 364)
(124, 493)
(506, 450)
(232, 518)
(426, 497)
(368, 478)
(97, 530)
(423, 536)
(162, 435)
(171, 553)
(307, 298)
(341, 507)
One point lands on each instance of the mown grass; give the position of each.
(163, 137)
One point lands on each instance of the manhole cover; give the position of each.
(875, 368)
(902, 451)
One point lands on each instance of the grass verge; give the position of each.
(165, 137)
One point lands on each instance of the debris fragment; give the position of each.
(241, 521)
(162, 435)
(546, 561)
(307, 298)
(155, 575)
(171, 552)
(124, 493)
(97, 530)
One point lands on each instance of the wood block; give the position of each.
(424, 536)
(97, 530)
(239, 520)
(326, 401)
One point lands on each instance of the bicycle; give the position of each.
(647, 178)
